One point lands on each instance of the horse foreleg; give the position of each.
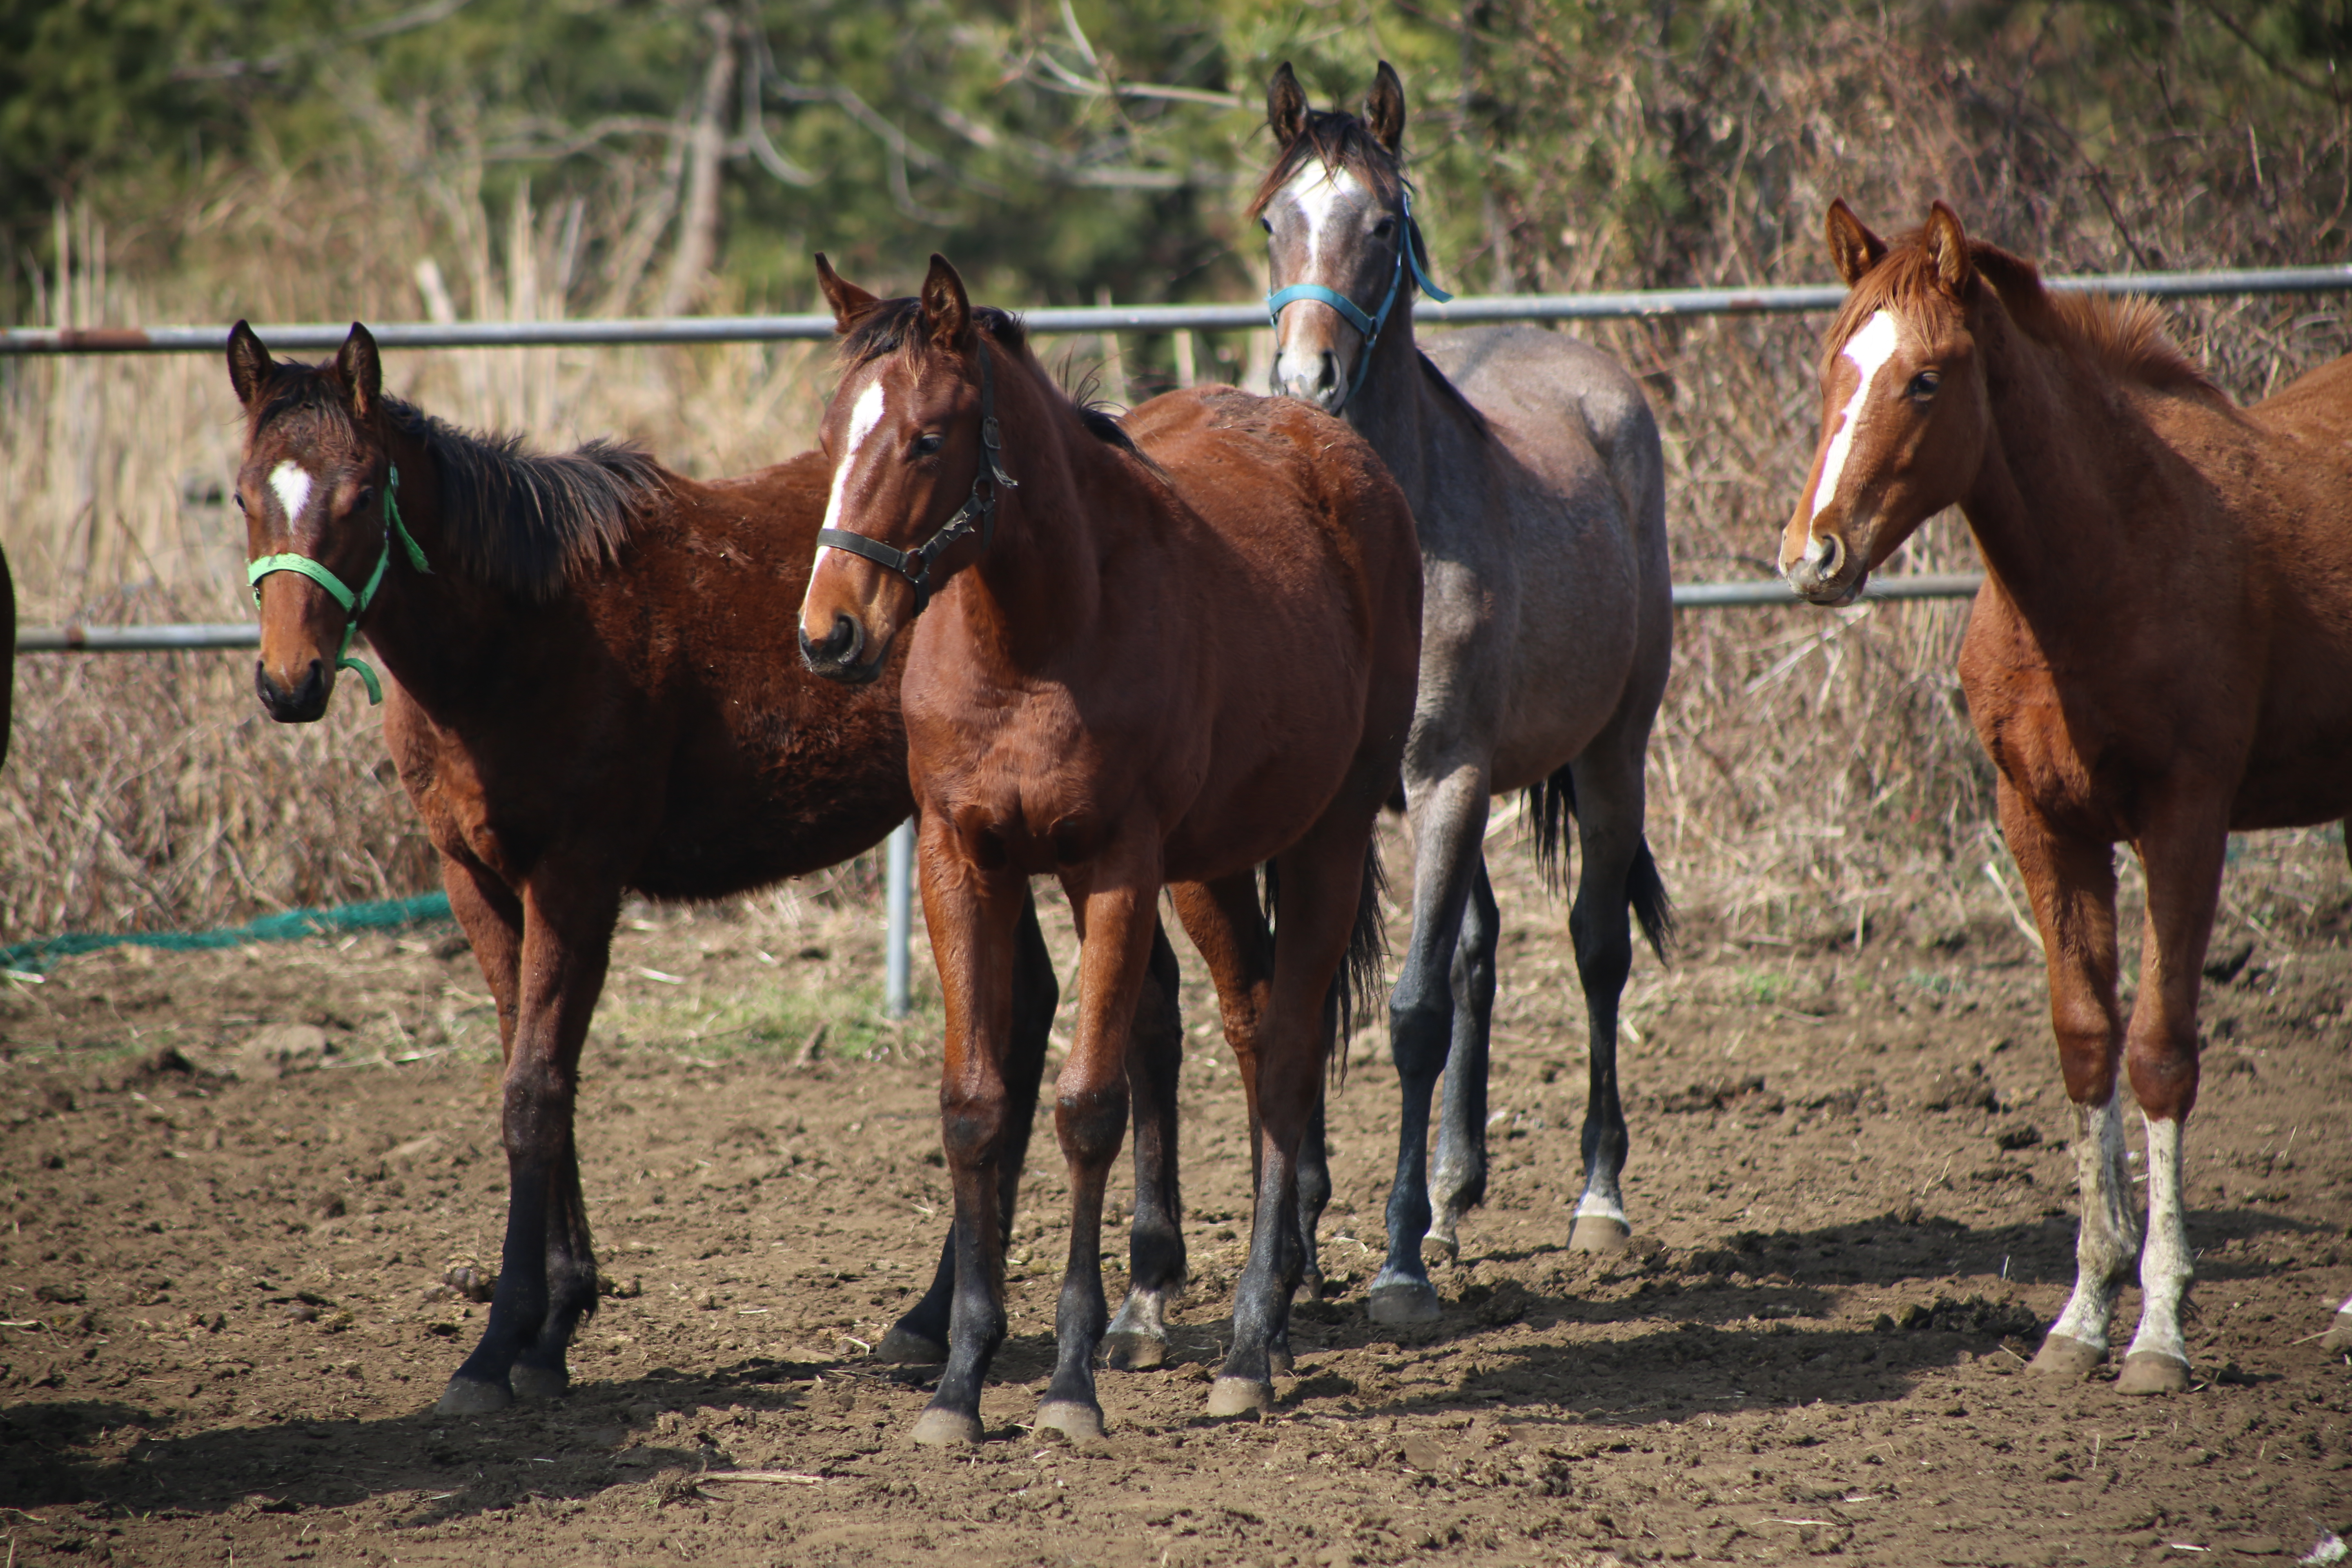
(547, 1272)
(973, 918)
(1136, 1339)
(2183, 858)
(1115, 932)
(919, 1338)
(1448, 816)
(2072, 885)
(1458, 1178)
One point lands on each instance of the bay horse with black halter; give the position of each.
(1533, 467)
(2161, 655)
(1153, 656)
(595, 692)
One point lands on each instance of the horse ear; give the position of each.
(1384, 108)
(250, 365)
(850, 303)
(1285, 106)
(947, 309)
(363, 373)
(1853, 249)
(1947, 248)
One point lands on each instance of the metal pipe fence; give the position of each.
(1050, 318)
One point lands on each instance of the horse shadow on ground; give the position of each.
(1711, 1329)
(661, 1426)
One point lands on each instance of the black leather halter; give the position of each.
(978, 510)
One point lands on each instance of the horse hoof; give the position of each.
(1440, 1247)
(2067, 1356)
(2338, 1338)
(1597, 1233)
(1078, 1423)
(536, 1384)
(1309, 1289)
(940, 1428)
(1240, 1397)
(1281, 1362)
(1405, 1302)
(2152, 1372)
(466, 1396)
(909, 1349)
(1134, 1352)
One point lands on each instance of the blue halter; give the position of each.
(1408, 256)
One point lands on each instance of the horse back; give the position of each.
(658, 713)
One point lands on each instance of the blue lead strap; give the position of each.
(354, 605)
(1409, 255)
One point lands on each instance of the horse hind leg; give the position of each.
(1620, 882)
(1323, 888)
(920, 1337)
(1137, 1339)
(1458, 1178)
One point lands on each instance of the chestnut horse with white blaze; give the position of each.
(2161, 655)
(1156, 656)
(593, 693)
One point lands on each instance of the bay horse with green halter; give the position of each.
(594, 692)
(2161, 655)
(1152, 657)
(1533, 467)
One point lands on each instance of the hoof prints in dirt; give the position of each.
(1822, 1314)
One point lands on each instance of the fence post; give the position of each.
(902, 901)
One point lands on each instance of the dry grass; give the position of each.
(1815, 775)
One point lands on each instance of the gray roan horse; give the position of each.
(1532, 465)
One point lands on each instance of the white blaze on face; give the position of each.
(1869, 349)
(292, 485)
(1316, 193)
(864, 416)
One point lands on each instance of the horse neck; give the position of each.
(2047, 508)
(1392, 409)
(1039, 586)
(428, 627)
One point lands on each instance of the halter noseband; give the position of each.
(354, 605)
(979, 508)
(1369, 326)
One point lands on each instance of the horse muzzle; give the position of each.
(1312, 376)
(837, 657)
(304, 702)
(1830, 573)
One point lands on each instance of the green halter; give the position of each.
(354, 605)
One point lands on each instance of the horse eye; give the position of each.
(1384, 228)
(928, 443)
(1923, 385)
(1267, 224)
(360, 502)
(238, 496)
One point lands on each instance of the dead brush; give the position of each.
(1813, 778)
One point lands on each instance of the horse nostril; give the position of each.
(1833, 555)
(840, 645)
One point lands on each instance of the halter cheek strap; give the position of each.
(1367, 326)
(354, 605)
(978, 511)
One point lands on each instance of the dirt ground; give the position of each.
(236, 1183)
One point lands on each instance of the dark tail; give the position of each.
(1363, 972)
(1550, 804)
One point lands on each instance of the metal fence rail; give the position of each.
(1651, 302)
(167, 639)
